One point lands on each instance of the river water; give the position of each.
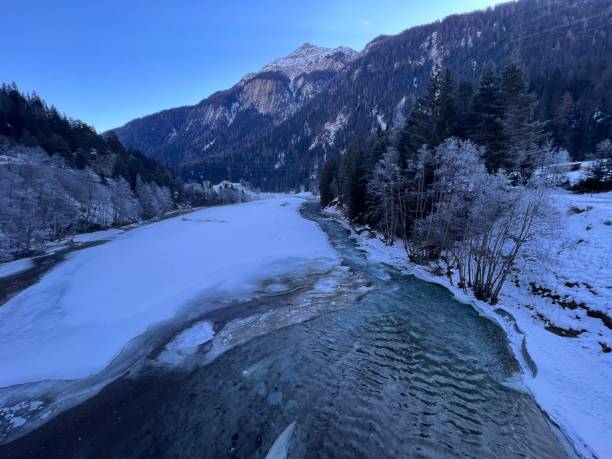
(385, 366)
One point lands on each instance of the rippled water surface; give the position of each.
(404, 371)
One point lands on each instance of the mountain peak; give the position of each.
(306, 46)
(308, 58)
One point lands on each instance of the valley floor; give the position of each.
(557, 306)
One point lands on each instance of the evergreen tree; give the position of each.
(29, 121)
(376, 148)
(521, 133)
(565, 122)
(328, 181)
(446, 124)
(465, 112)
(487, 127)
(422, 126)
(603, 150)
(353, 176)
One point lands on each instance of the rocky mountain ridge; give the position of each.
(258, 102)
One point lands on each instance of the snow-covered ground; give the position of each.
(570, 173)
(567, 293)
(83, 312)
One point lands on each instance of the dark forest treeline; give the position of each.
(27, 120)
(463, 182)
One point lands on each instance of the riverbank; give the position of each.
(555, 309)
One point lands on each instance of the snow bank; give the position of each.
(81, 314)
(573, 381)
(14, 267)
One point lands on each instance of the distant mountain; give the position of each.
(275, 127)
(258, 103)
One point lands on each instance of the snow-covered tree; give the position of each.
(125, 205)
(147, 197)
(509, 218)
(164, 198)
(456, 168)
(385, 190)
(549, 154)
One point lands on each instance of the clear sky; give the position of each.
(109, 61)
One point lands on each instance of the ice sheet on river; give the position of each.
(82, 313)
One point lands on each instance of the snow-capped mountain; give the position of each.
(310, 58)
(308, 69)
(257, 103)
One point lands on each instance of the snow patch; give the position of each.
(17, 415)
(571, 173)
(332, 128)
(281, 161)
(435, 53)
(209, 144)
(95, 236)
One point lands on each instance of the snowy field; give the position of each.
(559, 304)
(82, 313)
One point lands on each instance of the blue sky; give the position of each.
(109, 61)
